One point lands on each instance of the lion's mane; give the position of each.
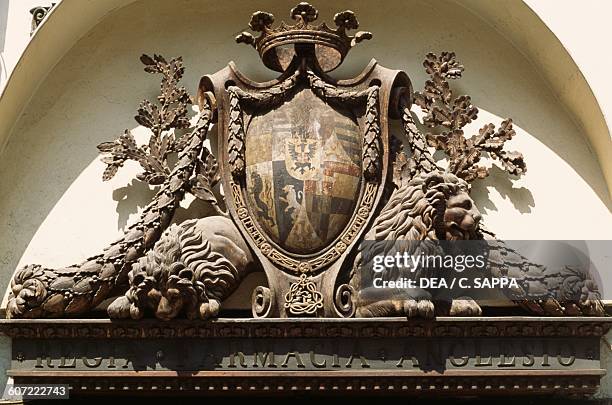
(414, 212)
(182, 273)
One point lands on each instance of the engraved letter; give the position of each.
(313, 360)
(95, 364)
(297, 357)
(69, 365)
(571, 358)
(241, 360)
(263, 358)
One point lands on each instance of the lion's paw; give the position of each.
(410, 308)
(119, 308)
(425, 309)
(592, 308)
(209, 309)
(465, 306)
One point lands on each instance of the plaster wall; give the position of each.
(56, 210)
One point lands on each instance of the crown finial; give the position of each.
(346, 20)
(304, 13)
(276, 46)
(261, 20)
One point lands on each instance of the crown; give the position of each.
(277, 46)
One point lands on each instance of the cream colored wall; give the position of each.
(57, 211)
(584, 32)
(564, 64)
(585, 43)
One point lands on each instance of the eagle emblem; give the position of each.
(308, 155)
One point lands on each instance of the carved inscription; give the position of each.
(307, 354)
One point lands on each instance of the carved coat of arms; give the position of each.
(308, 170)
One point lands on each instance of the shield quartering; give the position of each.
(303, 172)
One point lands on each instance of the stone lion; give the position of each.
(431, 206)
(190, 271)
(435, 206)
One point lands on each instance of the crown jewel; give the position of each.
(277, 46)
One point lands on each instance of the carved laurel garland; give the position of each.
(269, 97)
(329, 92)
(235, 142)
(43, 292)
(372, 145)
(416, 141)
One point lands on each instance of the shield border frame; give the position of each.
(371, 190)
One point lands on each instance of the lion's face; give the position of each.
(432, 205)
(461, 217)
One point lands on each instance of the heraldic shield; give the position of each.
(304, 159)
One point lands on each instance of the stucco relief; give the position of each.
(189, 269)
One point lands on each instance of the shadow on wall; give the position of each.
(130, 199)
(505, 184)
(520, 197)
(57, 211)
